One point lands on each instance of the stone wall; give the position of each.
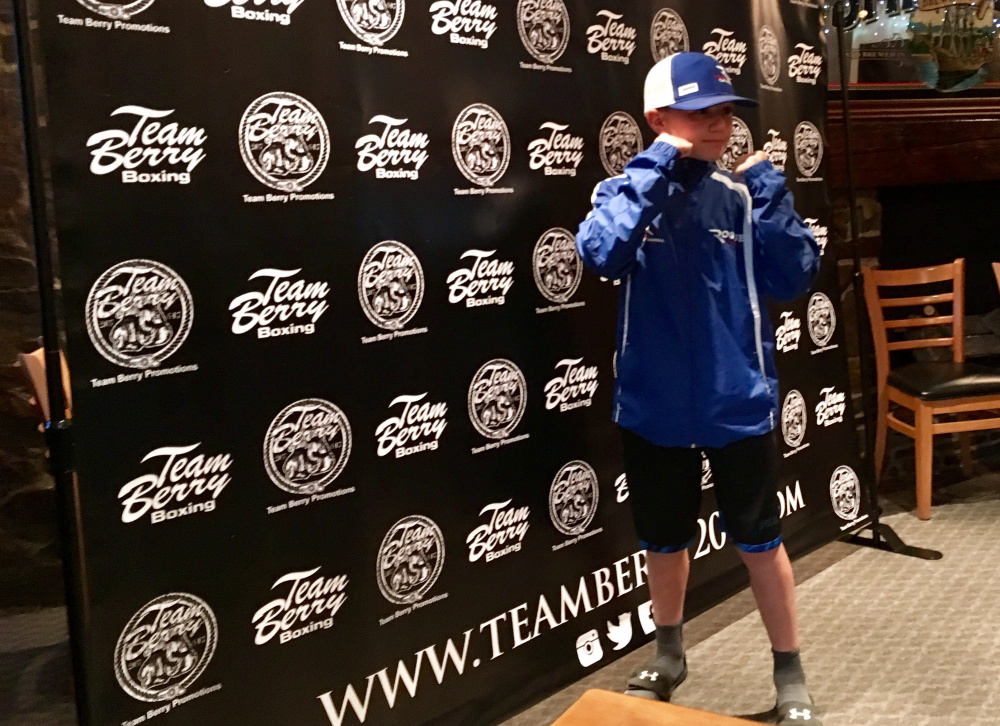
(29, 550)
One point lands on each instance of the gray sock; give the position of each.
(789, 678)
(670, 650)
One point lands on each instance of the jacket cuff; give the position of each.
(754, 175)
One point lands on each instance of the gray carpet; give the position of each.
(888, 640)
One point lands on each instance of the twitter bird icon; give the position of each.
(621, 634)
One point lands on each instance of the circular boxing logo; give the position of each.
(390, 284)
(845, 493)
(373, 21)
(668, 34)
(480, 143)
(573, 498)
(116, 11)
(544, 28)
(410, 559)
(769, 55)
(556, 265)
(793, 419)
(822, 319)
(139, 313)
(740, 144)
(498, 396)
(284, 141)
(165, 647)
(621, 139)
(808, 148)
(307, 446)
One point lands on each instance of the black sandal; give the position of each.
(648, 681)
(795, 713)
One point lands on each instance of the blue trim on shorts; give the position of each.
(766, 547)
(666, 549)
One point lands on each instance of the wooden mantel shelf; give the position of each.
(906, 141)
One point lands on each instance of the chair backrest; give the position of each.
(876, 279)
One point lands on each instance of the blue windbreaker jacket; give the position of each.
(697, 249)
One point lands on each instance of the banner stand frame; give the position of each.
(883, 537)
(58, 429)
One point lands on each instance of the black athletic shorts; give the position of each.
(664, 486)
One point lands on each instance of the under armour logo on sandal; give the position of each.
(651, 676)
(796, 715)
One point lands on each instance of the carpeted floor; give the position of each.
(888, 640)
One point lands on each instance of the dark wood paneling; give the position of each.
(900, 142)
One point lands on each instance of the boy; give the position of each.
(697, 247)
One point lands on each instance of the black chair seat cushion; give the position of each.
(939, 381)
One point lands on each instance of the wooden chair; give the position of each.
(928, 389)
(604, 708)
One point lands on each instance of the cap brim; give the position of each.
(702, 102)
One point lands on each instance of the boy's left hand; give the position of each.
(747, 161)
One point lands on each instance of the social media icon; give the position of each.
(588, 648)
(620, 633)
(646, 617)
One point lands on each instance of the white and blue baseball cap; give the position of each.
(690, 82)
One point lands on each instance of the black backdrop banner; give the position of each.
(342, 388)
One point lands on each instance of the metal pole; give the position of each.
(57, 429)
(883, 537)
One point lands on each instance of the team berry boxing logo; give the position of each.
(725, 48)
(391, 288)
(374, 22)
(480, 144)
(139, 313)
(395, 152)
(808, 151)
(789, 333)
(668, 35)
(417, 428)
(410, 560)
(296, 302)
(556, 153)
(544, 29)
(611, 39)
(306, 447)
(307, 606)
(845, 494)
(573, 387)
(465, 22)
(805, 66)
(740, 144)
(793, 422)
(117, 13)
(165, 647)
(501, 535)
(280, 11)
(485, 281)
(557, 269)
(620, 140)
(573, 499)
(184, 485)
(831, 409)
(498, 396)
(169, 151)
(769, 58)
(776, 149)
(820, 232)
(285, 144)
(822, 322)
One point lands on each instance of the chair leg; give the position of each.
(881, 433)
(965, 447)
(925, 460)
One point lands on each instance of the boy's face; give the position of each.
(708, 130)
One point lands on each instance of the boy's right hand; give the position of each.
(684, 147)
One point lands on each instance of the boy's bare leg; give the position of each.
(667, 574)
(773, 584)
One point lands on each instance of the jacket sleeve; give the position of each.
(787, 256)
(609, 237)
